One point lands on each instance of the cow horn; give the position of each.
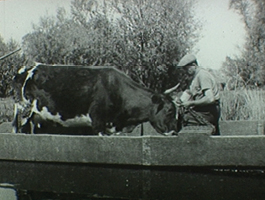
(172, 89)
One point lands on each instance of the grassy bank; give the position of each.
(243, 105)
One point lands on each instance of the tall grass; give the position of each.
(243, 105)
(6, 109)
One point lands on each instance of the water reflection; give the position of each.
(53, 181)
(35, 195)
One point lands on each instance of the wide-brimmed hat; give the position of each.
(187, 59)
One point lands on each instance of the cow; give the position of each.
(82, 99)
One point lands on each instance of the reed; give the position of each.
(243, 105)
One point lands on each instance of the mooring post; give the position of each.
(261, 128)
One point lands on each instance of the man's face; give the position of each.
(190, 69)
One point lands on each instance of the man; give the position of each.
(201, 100)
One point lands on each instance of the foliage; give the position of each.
(248, 71)
(6, 110)
(141, 37)
(155, 33)
(9, 66)
(242, 105)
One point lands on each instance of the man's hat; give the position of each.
(188, 59)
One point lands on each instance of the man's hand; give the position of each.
(177, 101)
(187, 104)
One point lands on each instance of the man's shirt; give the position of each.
(203, 81)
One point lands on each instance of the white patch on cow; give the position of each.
(29, 76)
(32, 127)
(111, 130)
(22, 70)
(31, 72)
(15, 109)
(83, 120)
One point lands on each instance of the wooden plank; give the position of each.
(190, 148)
(243, 127)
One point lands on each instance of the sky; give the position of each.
(222, 34)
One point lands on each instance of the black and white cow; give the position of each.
(82, 99)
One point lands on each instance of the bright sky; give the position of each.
(17, 16)
(222, 34)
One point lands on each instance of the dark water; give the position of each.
(51, 181)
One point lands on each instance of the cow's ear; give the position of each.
(156, 99)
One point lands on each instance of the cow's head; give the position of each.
(163, 114)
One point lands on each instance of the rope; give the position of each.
(201, 120)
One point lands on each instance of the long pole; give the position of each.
(3, 57)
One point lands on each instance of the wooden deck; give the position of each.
(190, 148)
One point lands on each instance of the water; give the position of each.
(53, 181)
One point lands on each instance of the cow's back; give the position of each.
(70, 90)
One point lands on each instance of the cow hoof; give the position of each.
(100, 134)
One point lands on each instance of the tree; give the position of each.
(154, 35)
(250, 66)
(141, 37)
(9, 66)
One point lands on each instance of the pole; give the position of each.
(3, 57)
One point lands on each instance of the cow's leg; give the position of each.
(97, 113)
(15, 122)
(26, 128)
(98, 126)
(39, 125)
(30, 126)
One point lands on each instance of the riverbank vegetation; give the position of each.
(243, 104)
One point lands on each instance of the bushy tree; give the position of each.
(141, 37)
(248, 71)
(154, 35)
(9, 66)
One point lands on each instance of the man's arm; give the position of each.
(207, 99)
